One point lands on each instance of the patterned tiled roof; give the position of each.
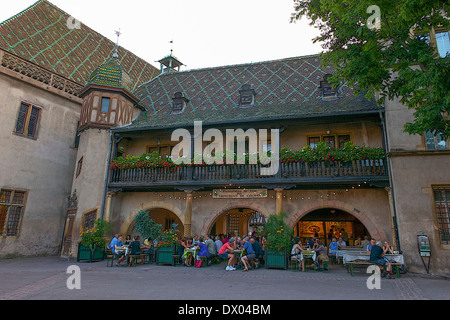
(40, 34)
(285, 89)
(111, 74)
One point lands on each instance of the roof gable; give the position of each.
(40, 34)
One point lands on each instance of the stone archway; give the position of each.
(371, 227)
(233, 205)
(128, 223)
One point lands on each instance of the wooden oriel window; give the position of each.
(105, 104)
(12, 204)
(27, 120)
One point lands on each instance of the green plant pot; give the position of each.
(164, 255)
(85, 254)
(276, 260)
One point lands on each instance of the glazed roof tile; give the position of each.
(40, 34)
(285, 89)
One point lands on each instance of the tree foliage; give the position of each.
(147, 227)
(396, 60)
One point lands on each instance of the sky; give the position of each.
(205, 33)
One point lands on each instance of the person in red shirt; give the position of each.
(226, 252)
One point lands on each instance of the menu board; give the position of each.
(424, 246)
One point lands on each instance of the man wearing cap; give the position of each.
(250, 253)
(226, 252)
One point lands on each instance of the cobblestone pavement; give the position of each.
(46, 279)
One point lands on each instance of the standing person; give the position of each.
(344, 236)
(377, 257)
(250, 254)
(226, 252)
(330, 235)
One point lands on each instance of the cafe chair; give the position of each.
(294, 264)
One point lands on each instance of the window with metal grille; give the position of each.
(442, 208)
(27, 120)
(89, 219)
(12, 204)
(233, 224)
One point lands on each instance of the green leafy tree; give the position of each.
(279, 234)
(146, 226)
(392, 60)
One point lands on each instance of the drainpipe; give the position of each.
(394, 211)
(107, 175)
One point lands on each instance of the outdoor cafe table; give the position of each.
(347, 257)
(307, 255)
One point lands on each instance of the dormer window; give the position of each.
(247, 96)
(327, 90)
(179, 102)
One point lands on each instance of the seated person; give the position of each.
(257, 247)
(226, 252)
(117, 243)
(387, 248)
(134, 248)
(341, 243)
(370, 245)
(377, 257)
(202, 250)
(250, 254)
(333, 247)
(321, 253)
(148, 245)
(187, 256)
(297, 250)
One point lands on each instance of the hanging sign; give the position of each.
(239, 193)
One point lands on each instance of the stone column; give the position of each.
(279, 200)
(108, 208)
(188, 214)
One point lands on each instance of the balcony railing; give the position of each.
(295, 172)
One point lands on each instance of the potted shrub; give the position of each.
(167, 245)
(279, 241)
(92, 244)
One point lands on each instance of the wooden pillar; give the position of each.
(279, 200)
(188, 214)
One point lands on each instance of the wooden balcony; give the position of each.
(296, 174)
